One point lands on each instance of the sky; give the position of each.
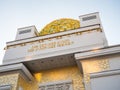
(20, 13)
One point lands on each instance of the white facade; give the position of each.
(26, 32)
(84, 47)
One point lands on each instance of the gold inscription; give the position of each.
(43, 46)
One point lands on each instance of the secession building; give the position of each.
(67, 54)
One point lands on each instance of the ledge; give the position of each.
(52, 35)
(57, 82)
(98, 52)
(17, 67)
(105, 73)
(5, 87)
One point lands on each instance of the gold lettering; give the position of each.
(63, 43)
(52, 45)
(44, 46)
(31, 49)
(35, 48)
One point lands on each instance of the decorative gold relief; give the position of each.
(78, 33)
(60, 25)
(49, 39)
(23, 44)
(59, 37)
(41, 40)
(9, 79)
(93, 66)
(68, 35)
(104, 64)
(86, 77)
(26, 85)
(61, 74)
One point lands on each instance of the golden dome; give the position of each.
(60, 25)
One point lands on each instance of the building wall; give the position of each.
(9, 79)
(97, 65)
(17, 82)
(27, 85)
(61, 74)
(94, 65)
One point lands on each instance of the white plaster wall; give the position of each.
(86, 41)
(108, 79)
(106, 83)
(114, 62)
(26, 35)
(91, 21)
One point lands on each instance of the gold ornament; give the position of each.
(59, 26)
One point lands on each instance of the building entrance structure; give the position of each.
(67, 54)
